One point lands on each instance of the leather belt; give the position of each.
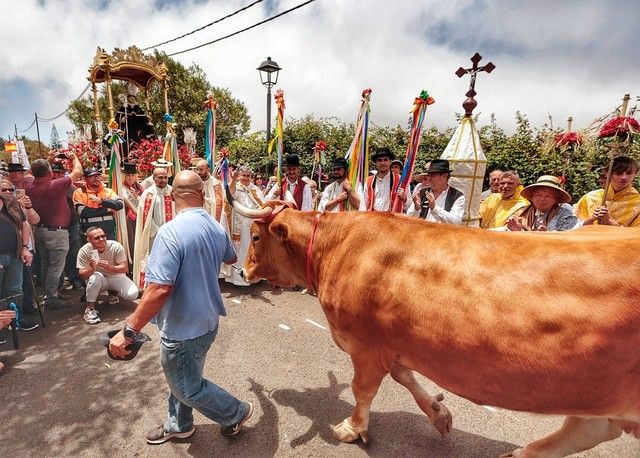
(52, 228)
(95, 219)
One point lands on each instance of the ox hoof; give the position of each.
(346, 432)
(517, 453)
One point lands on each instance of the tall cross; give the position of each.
(471, 103)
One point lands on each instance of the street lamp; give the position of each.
(267, 69)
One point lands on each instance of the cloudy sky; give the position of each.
(560, 58)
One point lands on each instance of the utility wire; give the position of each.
(244, 30)
(204, 26)
(22, 131)
(65, 111)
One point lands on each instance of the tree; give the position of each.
(54, 141)
(188, 89)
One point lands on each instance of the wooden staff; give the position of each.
(614, 152)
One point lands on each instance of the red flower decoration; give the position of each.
(567, 138)
(320, 145)
(621, 125)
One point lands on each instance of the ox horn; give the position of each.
(244, 211)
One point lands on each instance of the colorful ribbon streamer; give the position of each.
(210, 131)
(277, 138)
(116, 184)
(170, 153)
(418, 112)
(358, 154)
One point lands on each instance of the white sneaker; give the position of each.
(113, 300)
(91, 316)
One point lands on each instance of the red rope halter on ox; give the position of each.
(310, 249)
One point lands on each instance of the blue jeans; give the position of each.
(10, 275)
(183, 363)
(53, 246)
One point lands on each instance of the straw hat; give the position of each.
(547, 181)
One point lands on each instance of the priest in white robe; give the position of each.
(250, 196)
(154, 209)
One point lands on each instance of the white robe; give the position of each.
(251, 197)
(152, 213)
(331, 192)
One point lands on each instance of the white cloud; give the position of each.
(563, 58)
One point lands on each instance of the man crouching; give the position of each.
(103, 265)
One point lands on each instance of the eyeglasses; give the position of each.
(8, 189)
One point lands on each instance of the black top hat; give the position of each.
(292, 160)
(382, 152)
(439, 166)
(340, 162)
(57, 167)
(15, 168)
(133, 347)
(92, 171)
(130, 168)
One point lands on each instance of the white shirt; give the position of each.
(307, 196)
(439, 214)
(331, 192)
(382, 191)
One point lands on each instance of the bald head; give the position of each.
(202, 169)
(187, 183)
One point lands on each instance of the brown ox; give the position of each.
(536, 322)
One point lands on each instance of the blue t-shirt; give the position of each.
(187, 253)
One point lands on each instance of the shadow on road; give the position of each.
(392, 433)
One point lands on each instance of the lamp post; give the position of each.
(267, 69)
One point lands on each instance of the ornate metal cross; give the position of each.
(471, 103)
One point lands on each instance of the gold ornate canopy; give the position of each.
(130, 65)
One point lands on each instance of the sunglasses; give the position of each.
(8, 189)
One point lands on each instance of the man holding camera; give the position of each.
(49, 199)
(437, 201)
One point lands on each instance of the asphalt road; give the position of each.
(61, 395)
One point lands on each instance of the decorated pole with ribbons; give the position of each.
(115, 141)
(420, 105)
(620, 128)
(358, 154)
(170, 153)
(318, 160)
(278, 137)
(210, 130)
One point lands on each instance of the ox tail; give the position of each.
(244, 211)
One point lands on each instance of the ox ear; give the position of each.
(280, 229)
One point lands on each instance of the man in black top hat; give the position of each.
(16, 175)
(380, 189)
(293, 188)
(437, 201)
(340, 195)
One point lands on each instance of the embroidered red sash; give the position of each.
(371, 188)
(297, 193)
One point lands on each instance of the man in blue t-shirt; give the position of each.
(183, 299)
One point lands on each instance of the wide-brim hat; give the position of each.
(292, 160)
(547, 181)
(133, 347)
(129, 168)
(160, 162)
(439, 166)
(397, 161)
(382, 152)
(12, 167)
(90, 172)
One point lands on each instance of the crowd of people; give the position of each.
(58, 226)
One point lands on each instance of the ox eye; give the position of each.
(255, 238)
